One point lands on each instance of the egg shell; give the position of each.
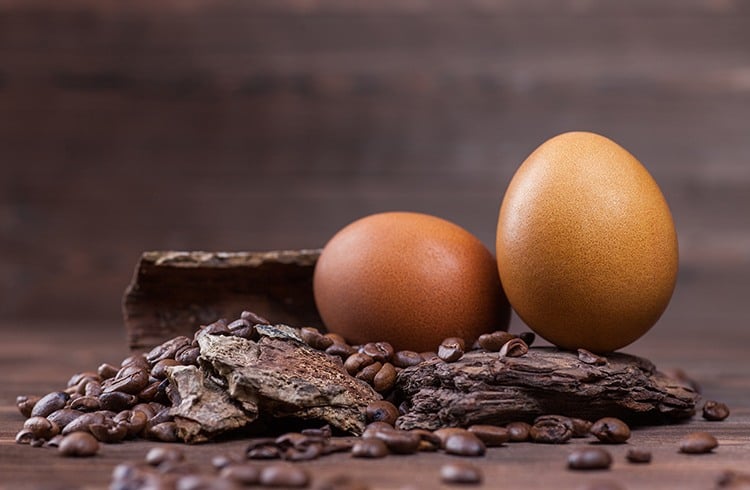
(586, 246)
(410, 279)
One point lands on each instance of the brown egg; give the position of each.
(586, 246)
(409, 279)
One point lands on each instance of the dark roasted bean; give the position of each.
(551, 429)
(340, 349)
(367, 374)
(78, 444)
(460, 473)
(169, 348)
(636, 455)
(451, 349)
(134, 360)
(24, 436)
(304, 453)
(581, 427)
(50, 403)
(93, 388)
(527, 337)
(518, 431)
(249, 333)
(254, 318)
(25, 404)
(714, 411)
(130, 380)
(64, 416)
(385, 378)
(444, 432)
(588, 357)
(406, 358)
(514, 348)
(381, 411)
(106, 371)
(242, 473)
(369, 448)
(150, 392)
(428, 441)
(188, 356)
(610, 430)
(134, 421)
(398, 441)
(109, 431)
(338, 445)
(284, 475)
(380, 351)
(356, 362)
(239, 324)
(698, 443)
(312, 337)
(321, 432)
(494, 341)
(41, 428)
(82, 423)
(77, 378)
(165, 432)
(145, 408)
(263, 448)
(589, 458)
(490, 435)
(55, 441)
(377, 425)
(117, 401)
(464, 444)
(218, 327)
(160, 454)
(428, 356)
(159, 370)
(86, 404)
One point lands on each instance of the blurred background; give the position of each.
(258, 125)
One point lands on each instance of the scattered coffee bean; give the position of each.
(356, 362)
(370, 448)
(109, 431)
(159, 370)
(494, 341)
(24, 436)
(428, 440)
(385, 378)
(134, 360)
(79, 444)
(581, 427)
(117, 401)
(168, 349)
(527, 337)
(284, 475)
(106, 371)
(444, 432)
(367, 374)
(242, 473)
(188, 356)
(636, 455)
(551, 429)
(322, 432)
(399, 441)
(514, 348)
(159, 455)
(381, 411)
(406, 358)
(451, 349)
(312, 337)
(164, 432)
(41, 427)
(518, 431)
(698, 443)
(380, 351)
(25, 404)
(130, 379)
(588, 357)
(460, 473)
(134, 421)
(610, 430)
(428, 356)
(490, 435)
(713, 410)
(341, 350)
(254, 318)
(86, 404)
(464, 444)
(263, 448)
(589, 458)
(49, 403)
(82, 423)
(55, 441)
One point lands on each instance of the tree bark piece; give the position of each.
(486, 388)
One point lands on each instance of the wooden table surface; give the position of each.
(698, 333)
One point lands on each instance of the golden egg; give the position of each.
(586, 246)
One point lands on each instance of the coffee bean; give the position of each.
(134, 360)
(581, 428)
(79, 444)
(86, 404)
(262, 448)
(109, 431)
(49, 403)
(254, 318)
(398, 441)
(218, 327)
(165, 432)
(367, 374)
(130, 380)
(78, 377)
(82, 423)
(322, 432)
(460, 473)
(356, 362)
(312, 337)
(41, 428)
(24, 436)
(588, 357)
(428, 356)
(242, 473)
(428, 440)
(551, 429)
(340, 349)
(159, 370)
(494, 341)
(338, 445)
(145, 408)
(406, 358)
(369, 448)
(106, 371)
(451, 349)
(55, 441)
(713, 410)
(589, 458)
(380, 351)
(117, 401)
(203, 482)
(444, 432)
(168, 349)
(385, 378)
(377, 425)
(527, 337)
(518, 431)
(93, 388)
(64, 416)
(381, 411)
(159, 455)
(698, 443)
(636, 455)
(733, 479)
(134, 421)
(490, 435)
(25, 404)
(284, 475)
(464, 444)
(514, 348)
(610, 430)
(188, 356)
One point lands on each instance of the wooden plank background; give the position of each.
(229, 125)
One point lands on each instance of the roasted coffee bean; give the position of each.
(78, 444)
(342, 482)
(636, 455)
(24, 436)
(581, 427)
(150, 392)
(385, 378)
(160, 454)
(406, 358)
(188, 356)
(86, 404)
(381, 411)
(460, 473)
(733, 479)
(551, 429)
(428, 356)
(444, 432)
(428, 441)
(356, 362)
(292, 439)
(55, 441)
(263, 448)
(284, 475)
(464, 444)
(340, 349)
(109, 431)
(41, 428)
(698, 443)
(49, 403)
(377, 425)
(369, 448)
(159, 370)
(134, 360)
(169, 348)
(527, 337)
(130, 380)
(82, 423)
(312, 337)
(514, 348)
(242, 473)
(713, 410)
(367, 374)
(64, 416)
(249, 333)
(490, 435)
(398, 441)
(304, 453)
(37, 442)
(238, 324)
(117, 401)
(145, 408)
(254, 318)
(588, 357)
(78, 377)
(106, 371)
(25, 404)
(218, 327)
(610, 430)
(321, 432)
(494, 341)
(589, 458)
(93, 388)
(451, 349)
(165, 432)
(134, 421)
(380, 351)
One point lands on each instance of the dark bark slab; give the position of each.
(485, 387)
